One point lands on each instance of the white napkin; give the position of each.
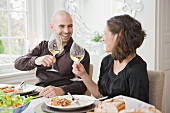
(132, 103)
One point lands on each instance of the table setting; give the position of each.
(39, 104)
(81, 104)
(29, 101)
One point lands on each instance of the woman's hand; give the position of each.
(78, 69)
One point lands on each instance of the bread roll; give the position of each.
(110, 106)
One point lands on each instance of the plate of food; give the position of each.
(65, 102)
(14, 88)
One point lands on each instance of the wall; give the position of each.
(96, 21)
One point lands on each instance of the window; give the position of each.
(23, 24)
(13, 31)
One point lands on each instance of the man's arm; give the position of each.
(27, 62)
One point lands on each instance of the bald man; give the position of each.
(55, 83)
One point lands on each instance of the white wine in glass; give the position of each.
(77, 58)
(54, 46)
(77, 53)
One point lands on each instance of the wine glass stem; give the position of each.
(53, 66)
(76, 62)
(53, 63)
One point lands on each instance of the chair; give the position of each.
(156, 79)
(90, 74)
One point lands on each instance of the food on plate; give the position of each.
(60, 102)
(110, 106)
(8, 100)
(10, 89)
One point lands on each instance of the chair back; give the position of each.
(90, 74)
(156, 86)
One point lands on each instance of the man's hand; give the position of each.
(51, 91)
(46, 60)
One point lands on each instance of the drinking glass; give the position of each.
(54, 46)
(77, 54)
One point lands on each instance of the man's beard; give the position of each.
(65, 40)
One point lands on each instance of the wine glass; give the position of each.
(54, 46)
(77, 54)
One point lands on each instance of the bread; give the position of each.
(147, 110)
(118, 105)
(110, 106)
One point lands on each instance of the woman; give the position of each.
(123, 72)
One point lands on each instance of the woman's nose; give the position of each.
(103, 38)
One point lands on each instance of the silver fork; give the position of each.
(93, 99)
(20, 87)
(73, 99)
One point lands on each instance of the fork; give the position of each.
(93, 99)
(20, 87)
(73, 99)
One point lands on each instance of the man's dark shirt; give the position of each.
(63, 64)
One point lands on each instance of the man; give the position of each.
(55, 83)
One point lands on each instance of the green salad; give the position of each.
(8, 100)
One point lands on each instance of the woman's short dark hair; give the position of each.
(130, 36)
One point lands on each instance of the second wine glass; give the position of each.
(54, 46)
(77, 53)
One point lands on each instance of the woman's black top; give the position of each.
(132, 81)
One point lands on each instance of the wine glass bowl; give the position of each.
(54, 46)
(77, 53)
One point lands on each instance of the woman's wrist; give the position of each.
(84, 75)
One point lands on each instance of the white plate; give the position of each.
(26, 89)
(73, 105)
(4, 85)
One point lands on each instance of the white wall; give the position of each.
(96, 21)
(147, 18)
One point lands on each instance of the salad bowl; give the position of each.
(20, 109)
(13, 104)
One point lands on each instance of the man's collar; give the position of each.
(69, 43)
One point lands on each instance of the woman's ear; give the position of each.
(115, 36)
(120, 33)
